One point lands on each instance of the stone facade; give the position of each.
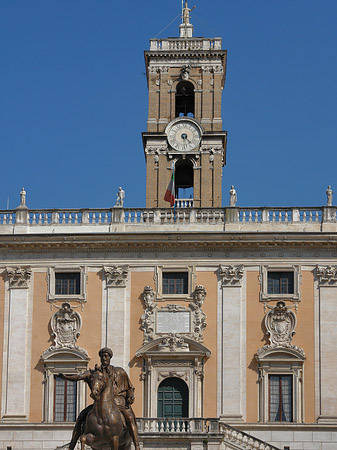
(224, 303)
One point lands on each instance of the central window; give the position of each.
(65, 400)
(280, 398)
(67, 283)
(280, 282)
(175, 282)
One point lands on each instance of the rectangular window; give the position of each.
(280, 282)
(280, 398)
(67, 283)
(65, 395)
(175, 283)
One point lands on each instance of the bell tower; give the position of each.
(185, 77)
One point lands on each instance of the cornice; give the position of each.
(167, 241)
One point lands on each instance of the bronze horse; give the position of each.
(105, 427)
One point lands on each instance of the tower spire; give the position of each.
(186, 28)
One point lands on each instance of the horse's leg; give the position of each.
(115, 441)
(83, 440)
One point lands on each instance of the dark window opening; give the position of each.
(65, 395)
(280, 282)
(185, 99)
(175, 282)
(67, 283)
(184, 179)
(280, 398)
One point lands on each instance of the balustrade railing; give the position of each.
(183, 213)
(185, 44)
(178, 425)
(245, 440)
(201, 426)
(184, 203)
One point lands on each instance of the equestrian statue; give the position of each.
(109, 423)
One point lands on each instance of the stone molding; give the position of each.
(116, 276)
(231, 275)
(327, 276)
(19, 277)
(295, 297)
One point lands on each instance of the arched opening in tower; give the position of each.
(185, 99)
(184, 182)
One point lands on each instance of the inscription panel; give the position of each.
(173, 322)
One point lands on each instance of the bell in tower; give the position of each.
(185, 76)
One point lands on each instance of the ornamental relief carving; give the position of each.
(65, 324)
(172, 373)
(327, 276)
(116, 276)
(231, 275)
(280, 322)
(19, 277)
(190, 322)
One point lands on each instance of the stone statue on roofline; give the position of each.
(232, 197)
(120, 197)
(329, 194)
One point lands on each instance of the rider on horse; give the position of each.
(124, 396)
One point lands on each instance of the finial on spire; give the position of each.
(186, 28)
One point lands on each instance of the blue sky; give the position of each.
(74, 98)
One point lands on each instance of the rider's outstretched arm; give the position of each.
(77, 377)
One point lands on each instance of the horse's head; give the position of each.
(98, 382)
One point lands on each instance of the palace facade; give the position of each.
(224, 318)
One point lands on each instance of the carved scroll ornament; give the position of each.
(231, 275)
(116, 276)
(19, 277)
(327, 276)
(280, 322)
(66, 324)
(197, 316)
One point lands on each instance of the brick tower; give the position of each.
(185, 78)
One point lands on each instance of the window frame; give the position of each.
(52, 296)
(280, 397)
(281, 361)
(161, 296)
(68, 362)
(263, 278)
(65, 400)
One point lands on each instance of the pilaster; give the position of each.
(116, 313)
(327, 287)
(231, 344)
(17, 346)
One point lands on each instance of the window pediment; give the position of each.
(174, 343)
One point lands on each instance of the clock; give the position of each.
(184, 135)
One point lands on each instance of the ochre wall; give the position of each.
(41, 340)
(303, 338)
(90, 338)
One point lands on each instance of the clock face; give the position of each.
(184, 136)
